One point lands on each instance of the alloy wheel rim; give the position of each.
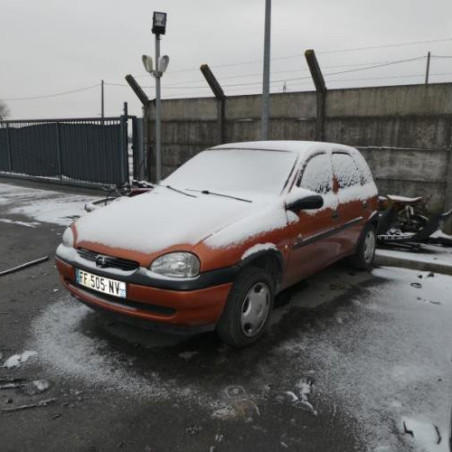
(255, 309)
(369, 247)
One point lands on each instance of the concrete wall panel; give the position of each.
(201, 109)
(406, 164)
(411, 100)
(408, 132)
(404, 131)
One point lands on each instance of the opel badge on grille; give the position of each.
(101, 261)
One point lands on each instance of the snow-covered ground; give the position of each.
(378, 352)
(381, 354)
(388, 360)
(40, 205)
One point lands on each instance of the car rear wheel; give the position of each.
(248, 308)
(363, 259)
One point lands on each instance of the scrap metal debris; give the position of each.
(194, 429)
(27, 387)
(304, 387)
(239, 404)
(42, 403)
(115, 192)
(187, 355)
(292, 396)
(35, 387)
(26, 265)
(405, 221)
(13, 383)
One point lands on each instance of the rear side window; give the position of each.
(346, 171)
(366, 175)
(317, 175)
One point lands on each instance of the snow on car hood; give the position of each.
(160, 219)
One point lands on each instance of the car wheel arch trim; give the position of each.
(274, 254)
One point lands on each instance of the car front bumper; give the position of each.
(177, 305)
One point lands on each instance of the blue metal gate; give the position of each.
(83, 150)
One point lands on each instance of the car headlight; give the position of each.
(176, 265)
(68, 238)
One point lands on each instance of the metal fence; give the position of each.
(87, 151)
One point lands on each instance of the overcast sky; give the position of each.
(54, 46)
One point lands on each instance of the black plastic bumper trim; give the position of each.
(125, 302)
(150, 325)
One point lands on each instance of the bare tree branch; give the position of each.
(4, 110)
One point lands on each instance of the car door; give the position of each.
(351, 203)
(313, 240)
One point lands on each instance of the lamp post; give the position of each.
(266, 77)
(161, 63)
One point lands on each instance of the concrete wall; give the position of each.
(404, 132)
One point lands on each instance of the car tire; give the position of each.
(247, 309)
(363, 259)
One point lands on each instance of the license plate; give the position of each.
(101, 284)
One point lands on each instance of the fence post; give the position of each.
(221, 99)
(139, 159)
(320, 87)
(8, 145)
(448, 193)
(144, 99)
(58, 143)
(124, 151)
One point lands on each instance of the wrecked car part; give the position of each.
(34, 405)
(13, 383)
(403, 221)
(23, 266)
(115, 192)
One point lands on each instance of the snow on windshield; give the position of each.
(235, 171)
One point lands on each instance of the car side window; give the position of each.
(317, 175)
(346, 171)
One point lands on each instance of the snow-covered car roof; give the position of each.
(300, 147)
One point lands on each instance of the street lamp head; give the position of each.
(159, 23)
(163, 63)
(147, 63)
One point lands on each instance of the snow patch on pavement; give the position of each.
(64, 347)
(45, 206)
(61, 210)
(68, 351)
(17, 360)
(425, 434)
(20, 223)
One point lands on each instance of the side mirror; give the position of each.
(305, 202)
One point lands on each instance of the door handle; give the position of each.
(335, 215)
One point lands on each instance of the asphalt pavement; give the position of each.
(350, 362)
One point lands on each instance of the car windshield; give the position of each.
(236, 172)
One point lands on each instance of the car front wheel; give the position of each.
(248, 308)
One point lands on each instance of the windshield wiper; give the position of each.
(208, 192)
(177, 190)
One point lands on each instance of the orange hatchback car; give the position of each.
(211, 246)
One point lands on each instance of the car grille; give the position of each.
(103, 261)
